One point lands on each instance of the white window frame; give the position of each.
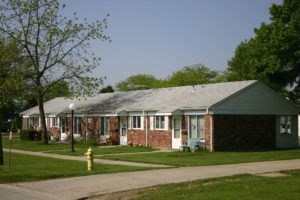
(285, 125)
(133, 122)
(198, 130)
(77, 124)
(54, 122)
(104, 121)
(160, 122)
(136, 122)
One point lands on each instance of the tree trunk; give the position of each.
(1, 150)
(43, 119)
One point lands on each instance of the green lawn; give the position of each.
(37, 146)
(65, 148)
(246, 187)
(207, 158)
(104, 150)
(32, 168)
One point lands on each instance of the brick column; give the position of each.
(208, 132)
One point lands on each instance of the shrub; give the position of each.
(93, 142)
(30, 135)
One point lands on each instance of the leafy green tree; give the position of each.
(137, 82)
(59, 89)
(192, 75)
(55, 48)
(273, 54)
(107, 89)
(12, 84)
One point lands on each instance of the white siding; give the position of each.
(298, 125)
(151, 123)
(166, 122)
(256, 99)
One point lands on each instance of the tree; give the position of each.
(59, 89)
(137, 82)
(107, 89)
(54, 48)
(192, 75)
(12, 84)
(273, 54)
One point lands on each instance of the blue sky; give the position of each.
(159, 37)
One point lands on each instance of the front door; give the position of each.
(176, 133)
(123, 130)
(63, 127)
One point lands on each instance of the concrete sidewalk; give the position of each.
(83, 158)
(87, 186)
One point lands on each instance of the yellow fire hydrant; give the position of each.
(89, 158)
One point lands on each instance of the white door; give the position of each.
(63, 127)
(123, 130)
(176, 133)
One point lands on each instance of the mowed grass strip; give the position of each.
(104, 150)
(207, 158)
(246, 187)
(65, 148)
(32, 168)
(16, 143)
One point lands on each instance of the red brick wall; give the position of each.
(244, 132)
(114, 130)
(136, 137)
(161, 139)
(156, 138)
(93, 127)
(208, 121)
(54, 131)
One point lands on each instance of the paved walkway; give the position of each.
(83, 158)
(87, 186)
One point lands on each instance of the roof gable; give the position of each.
(255, 99)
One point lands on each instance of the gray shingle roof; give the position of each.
(163, 100)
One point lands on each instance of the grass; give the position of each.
(38, 146)
(64, 148)
(105, 150)
(207, 158)
(33, 168)
(246, 187)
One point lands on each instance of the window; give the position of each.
(54, 122)
(30, 125)
(77, 125)
(36, 122)
(285, 124)
(196, 128)
(136, 122)
(160, 122)
(104, 127)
